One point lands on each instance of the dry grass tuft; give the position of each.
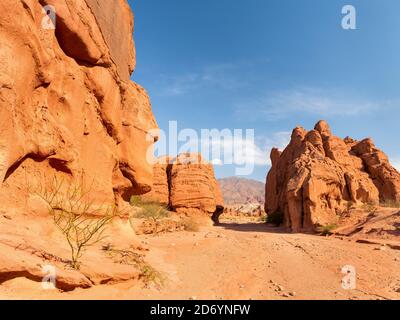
(191, 225)
(149, 209)
(128, 257)
(326, 230)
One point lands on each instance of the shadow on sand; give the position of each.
(252, 227)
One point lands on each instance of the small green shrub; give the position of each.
(326, 230)
(149, 209)
(275, 218)
(74, 213)
(263, 219)
(136, 201)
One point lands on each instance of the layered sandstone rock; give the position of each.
(319, 175)
(160, 187)
(187, 184)
(193, 185)
(67, 105)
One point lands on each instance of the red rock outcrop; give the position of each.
(193, 185)
(67, 105)
(319, 175)
(68, 110)
(160, 187)
(385, 177)
(187, 184)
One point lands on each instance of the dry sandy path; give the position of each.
(252, 261)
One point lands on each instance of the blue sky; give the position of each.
(270, 65)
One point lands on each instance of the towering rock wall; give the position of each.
(187, 184)
(319, 175)
(67, 105)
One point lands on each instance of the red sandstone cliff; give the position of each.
(68, 110)
(67, 105)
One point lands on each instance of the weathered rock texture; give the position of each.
(160, 187)
(188, 185)
(318, 176)
(67, 105)
(193, 185)
(68, 110)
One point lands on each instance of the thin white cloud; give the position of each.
(177, 85)
(277, 140)
(224, 76)
(306, 100)
(238, 150)
(217, 162)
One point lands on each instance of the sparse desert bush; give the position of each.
(191, 225)
(275, 218)
(128, 257)
(151, 275)
(326, 230)
(390, 204)
(74, 213)
(149, 209)
(263, 219)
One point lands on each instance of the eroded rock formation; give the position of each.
(188, 185)
(68, 110)
(67, 105)
(160, 186)
(319, 175)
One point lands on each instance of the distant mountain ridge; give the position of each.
(241, 191)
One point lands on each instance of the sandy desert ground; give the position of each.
(246, 261)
